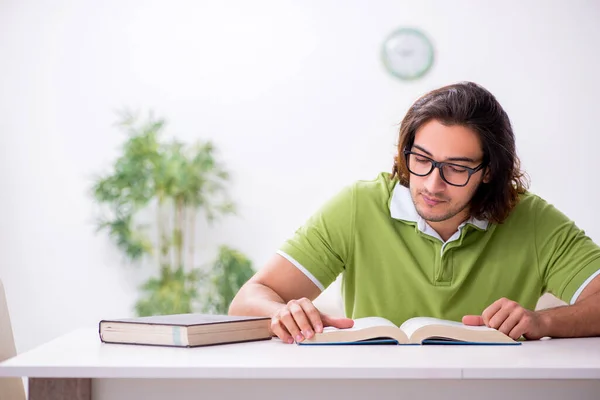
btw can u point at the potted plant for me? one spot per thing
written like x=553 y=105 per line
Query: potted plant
x=150 y=203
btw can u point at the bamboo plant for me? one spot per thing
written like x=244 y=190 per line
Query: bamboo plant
x=151 y=202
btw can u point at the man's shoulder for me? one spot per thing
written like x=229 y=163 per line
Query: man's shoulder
x=529 y=206
x=378 y=188
x=531 y=199
x=528 y=199
x=365 y=195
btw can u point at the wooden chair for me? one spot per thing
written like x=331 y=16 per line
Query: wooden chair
x=10 y=388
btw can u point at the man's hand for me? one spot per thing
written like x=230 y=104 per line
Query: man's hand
x=300 y=319
x=511 y=319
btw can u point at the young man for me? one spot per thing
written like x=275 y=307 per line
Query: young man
x=452 y=233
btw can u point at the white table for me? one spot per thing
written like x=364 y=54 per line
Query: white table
x=547 y=369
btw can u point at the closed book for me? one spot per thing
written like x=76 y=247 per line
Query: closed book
x=185 y=330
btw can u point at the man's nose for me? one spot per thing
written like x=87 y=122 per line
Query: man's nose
x=434 y=182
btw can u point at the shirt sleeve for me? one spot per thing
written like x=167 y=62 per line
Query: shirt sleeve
x=568 y=259
x=322 y=247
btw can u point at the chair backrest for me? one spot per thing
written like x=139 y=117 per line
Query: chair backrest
x=10 y=388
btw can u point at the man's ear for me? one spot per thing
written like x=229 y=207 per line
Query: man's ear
x=487 y=175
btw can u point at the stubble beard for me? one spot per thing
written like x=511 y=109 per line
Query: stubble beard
x=430 y=217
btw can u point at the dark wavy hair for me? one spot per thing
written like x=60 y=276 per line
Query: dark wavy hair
x=470 y=105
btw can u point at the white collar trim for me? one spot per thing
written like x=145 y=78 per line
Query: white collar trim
x=403 y=208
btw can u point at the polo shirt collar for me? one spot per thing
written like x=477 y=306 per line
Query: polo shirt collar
x=403 y=208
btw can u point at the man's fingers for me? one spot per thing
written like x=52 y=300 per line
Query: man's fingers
x=337 y=322
x=511 y=321
x=475 y=320
x=280 y=331
x=498 y=319
x=519 y=329
x=300 y=319
x=288 y=321
x=503 y=308
x=313 y=315
x=306 y=330
x=489 y=312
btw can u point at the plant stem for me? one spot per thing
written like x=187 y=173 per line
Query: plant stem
x=163 y=239
x=178 y=232
x=191 y=237
x=159 y=233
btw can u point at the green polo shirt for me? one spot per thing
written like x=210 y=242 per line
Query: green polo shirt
x=394 y=265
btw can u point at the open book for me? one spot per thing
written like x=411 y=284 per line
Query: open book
x=418 y=330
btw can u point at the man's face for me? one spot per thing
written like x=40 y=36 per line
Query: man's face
x=435 y=199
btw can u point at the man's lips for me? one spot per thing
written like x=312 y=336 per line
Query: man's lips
x=431 y=201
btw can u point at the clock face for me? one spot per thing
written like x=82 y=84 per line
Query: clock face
x=407 y=53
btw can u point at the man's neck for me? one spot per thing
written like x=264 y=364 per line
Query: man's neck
x=448 y=227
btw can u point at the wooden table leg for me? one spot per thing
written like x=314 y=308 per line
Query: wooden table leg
x=60 y=388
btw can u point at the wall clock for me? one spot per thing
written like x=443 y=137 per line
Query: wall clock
x=407 y=53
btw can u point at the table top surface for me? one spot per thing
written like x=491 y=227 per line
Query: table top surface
x=81 y=354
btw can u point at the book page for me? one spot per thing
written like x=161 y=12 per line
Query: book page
x=362 y=323
x=412 y=324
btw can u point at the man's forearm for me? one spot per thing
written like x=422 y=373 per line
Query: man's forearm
x=255 y=299
x=581 y=319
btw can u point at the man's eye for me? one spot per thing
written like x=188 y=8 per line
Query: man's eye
x=421 y=160
x=458 y=170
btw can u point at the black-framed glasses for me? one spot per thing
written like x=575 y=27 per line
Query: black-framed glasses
x=452 y=174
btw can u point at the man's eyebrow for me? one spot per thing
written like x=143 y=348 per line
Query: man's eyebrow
x=463 y=159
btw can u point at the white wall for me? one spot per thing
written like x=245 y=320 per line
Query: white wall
x=295 y=97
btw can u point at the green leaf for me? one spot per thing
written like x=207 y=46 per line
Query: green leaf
x=168 y=181
x=173 y=293
x=229 y=272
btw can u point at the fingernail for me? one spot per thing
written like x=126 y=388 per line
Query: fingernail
x=319 y=328
x=290 y=340
x=307 y=334
x=299 y=338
